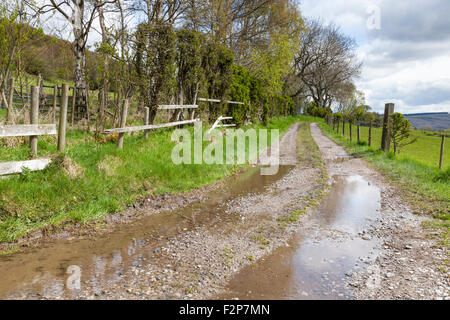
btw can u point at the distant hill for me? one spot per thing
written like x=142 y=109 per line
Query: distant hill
x=432 y=121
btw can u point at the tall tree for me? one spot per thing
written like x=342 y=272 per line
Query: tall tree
x=326 y=60
x=17 y=27
x=81 y=15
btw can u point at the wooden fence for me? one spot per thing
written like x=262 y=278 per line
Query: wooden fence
x=386 y=134
x=49 y=103
x=147 y=127
x=33 y=131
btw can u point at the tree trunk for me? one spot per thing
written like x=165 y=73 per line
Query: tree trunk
x=80 y=57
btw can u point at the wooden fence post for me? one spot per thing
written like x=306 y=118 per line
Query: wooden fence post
x=350 y=128
x=74 y=96
x=63 y=118
x=358 y=132
x=146 y=120
x=370 y=134
x=386 y=136
x=34 y=117
x=441 y=161
x=123 y=122
x=10 y=100
x=55 y=100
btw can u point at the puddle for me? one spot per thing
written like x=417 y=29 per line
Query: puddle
x=58 y=269
x=317 y=262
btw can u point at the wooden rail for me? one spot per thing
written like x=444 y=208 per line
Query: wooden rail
x=7 y=168
x=149 y=127
x=27 y=130
x=177 y=106
x=218 y=101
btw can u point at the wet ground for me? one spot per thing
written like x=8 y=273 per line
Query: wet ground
x=358 y=243
x=53 y=270
x=317 y=262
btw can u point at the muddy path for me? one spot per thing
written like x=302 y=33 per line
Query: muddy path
x=189 y=252
x=241 y=241
x=361 y=243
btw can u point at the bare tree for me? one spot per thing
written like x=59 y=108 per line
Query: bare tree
x=326 y=60
x=81 y=15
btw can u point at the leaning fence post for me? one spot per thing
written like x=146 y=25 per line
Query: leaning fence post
x=10 y=100
x=370 y=134
x=441 y=161
x=63 y=118
x=146 y=120
x=34 y=117
x=386 y=136
x=123 y=122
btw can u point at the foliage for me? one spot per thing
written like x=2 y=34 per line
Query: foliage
x=15 y=31
x=272 y=64
x=240 y=91
x=155 y=64
x=401 y=132
x=217 y=65
x=313 y=110
x=189 y=73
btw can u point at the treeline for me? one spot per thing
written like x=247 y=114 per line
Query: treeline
x=260 y=52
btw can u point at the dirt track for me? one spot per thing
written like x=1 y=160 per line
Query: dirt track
x=410 y=261
x=195 y=252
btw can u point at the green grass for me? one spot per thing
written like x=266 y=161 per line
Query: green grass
x=110 y=179
x=426 y=150
x=424 y=186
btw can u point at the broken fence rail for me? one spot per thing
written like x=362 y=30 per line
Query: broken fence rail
x=8 y=168
x=149 y=127
x=177 y=106
x=218 y=101
x=27 y=130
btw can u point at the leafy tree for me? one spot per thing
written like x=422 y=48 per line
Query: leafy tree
x=240 y=91
x=401 y=132
x=271 y=65
x=189 y=73
x=217 y=65
x=16 y=29
x=155 y=64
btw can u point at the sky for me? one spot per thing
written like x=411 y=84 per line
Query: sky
x=404 y=46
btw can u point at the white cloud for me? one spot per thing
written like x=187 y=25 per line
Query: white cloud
x=406 y=62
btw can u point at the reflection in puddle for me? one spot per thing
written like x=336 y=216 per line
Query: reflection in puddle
x=317 y=262
x=45 y=272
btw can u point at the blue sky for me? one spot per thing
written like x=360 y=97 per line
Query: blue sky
x=407 y=59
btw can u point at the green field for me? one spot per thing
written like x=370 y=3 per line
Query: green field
x=425 y=150
x=93 y=178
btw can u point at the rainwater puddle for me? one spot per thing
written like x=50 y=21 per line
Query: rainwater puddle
x=61 y=268
x=318 y=261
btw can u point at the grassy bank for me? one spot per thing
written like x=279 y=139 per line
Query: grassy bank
x=424 y=186
x=94 y=179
